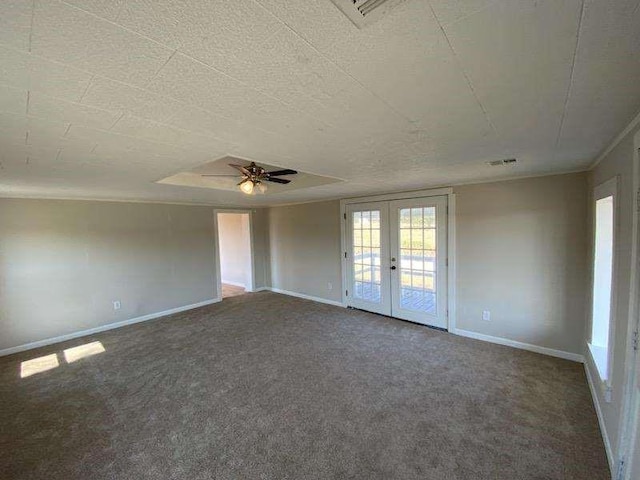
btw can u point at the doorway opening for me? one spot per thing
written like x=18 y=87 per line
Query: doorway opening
x=235 y=253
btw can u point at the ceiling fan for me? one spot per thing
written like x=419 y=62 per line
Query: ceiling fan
x=253 y=176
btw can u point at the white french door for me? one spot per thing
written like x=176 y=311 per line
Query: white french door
x=396 y=258
x=418 y=231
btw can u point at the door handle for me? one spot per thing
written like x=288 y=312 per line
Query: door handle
x=393 y=267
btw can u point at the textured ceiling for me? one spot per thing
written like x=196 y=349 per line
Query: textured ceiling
x=100 y=99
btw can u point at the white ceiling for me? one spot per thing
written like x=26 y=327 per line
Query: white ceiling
x=102 y=98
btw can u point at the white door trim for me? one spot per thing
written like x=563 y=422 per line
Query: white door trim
x=630 y=411
x=451 y=240
x=216 y=211
x=434 y=192
x=452 y=268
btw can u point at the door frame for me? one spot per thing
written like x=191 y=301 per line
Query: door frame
x=630 y=412
x=216 y=211
x=451 y=239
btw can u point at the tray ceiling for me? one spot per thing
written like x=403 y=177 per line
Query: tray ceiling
x=195 y=178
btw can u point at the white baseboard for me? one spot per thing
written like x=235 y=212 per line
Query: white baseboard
x=235 y=284
x=521 y=345
x=306 y=297
x=262 y=289
x=103 y=328
x=603 y=430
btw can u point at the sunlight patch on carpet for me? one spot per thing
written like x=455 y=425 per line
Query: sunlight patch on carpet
x=38 y=365
x=83 y=351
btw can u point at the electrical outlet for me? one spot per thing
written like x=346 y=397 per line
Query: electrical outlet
x=486 y=315
x=116 y=305
x=329 y=286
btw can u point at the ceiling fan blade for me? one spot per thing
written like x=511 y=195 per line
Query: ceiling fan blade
x=276 y=173
x=241 y=168
x=278 y=180
x=217 y=175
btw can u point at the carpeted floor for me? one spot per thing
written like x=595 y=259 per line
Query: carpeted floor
x=265 y=386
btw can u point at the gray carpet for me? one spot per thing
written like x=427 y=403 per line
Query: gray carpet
x=265 y=386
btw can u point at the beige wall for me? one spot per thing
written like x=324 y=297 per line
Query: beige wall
x=618 y=163
x=63 y=263
x=261 y=247
x=235 y=248
x=522 y=249
x=521 y=254
x=305 y=249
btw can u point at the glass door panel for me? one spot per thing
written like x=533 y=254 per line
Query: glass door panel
x=417 y=287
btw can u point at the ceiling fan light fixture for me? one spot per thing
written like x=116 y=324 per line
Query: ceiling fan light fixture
x=247 y=187
x=262 y=188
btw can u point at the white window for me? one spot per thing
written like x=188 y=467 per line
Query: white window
x=603 y=271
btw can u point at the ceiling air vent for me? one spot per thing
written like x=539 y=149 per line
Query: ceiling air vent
x=364 y=12
x=506 y=161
